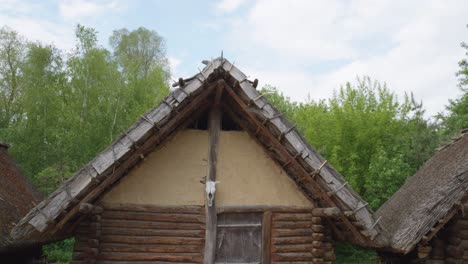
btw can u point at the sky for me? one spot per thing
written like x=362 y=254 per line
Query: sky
x=306 y=48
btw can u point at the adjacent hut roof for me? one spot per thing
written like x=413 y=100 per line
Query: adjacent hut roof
x=246 y=106
x=17 y=197
x=432 y=194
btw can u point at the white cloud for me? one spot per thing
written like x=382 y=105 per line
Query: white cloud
x=228 y=6
x=174 y=65
x=35 y=29
x=311 y=47
x=80 y=9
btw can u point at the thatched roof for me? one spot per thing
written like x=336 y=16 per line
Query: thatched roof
x=17 y=197
x=427 y=197
x=245 y=105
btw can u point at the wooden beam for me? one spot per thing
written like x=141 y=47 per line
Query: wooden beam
x=332 y=212
x=266 y=245
x=263 y=208
x=214 y=130
x=304 y=175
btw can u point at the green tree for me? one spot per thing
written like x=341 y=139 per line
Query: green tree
x=366 y=133
x=12 y=54
x=141 y=54
x=457 y=116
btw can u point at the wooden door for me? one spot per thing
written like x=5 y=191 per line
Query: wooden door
x=239 y=238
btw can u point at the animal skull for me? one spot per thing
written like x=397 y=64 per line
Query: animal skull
x=210 y=189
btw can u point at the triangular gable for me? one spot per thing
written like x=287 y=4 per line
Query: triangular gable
x=172 y=174
x=245 y=105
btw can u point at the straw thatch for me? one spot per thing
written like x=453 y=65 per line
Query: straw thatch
x=17 y=197
x=427 y=197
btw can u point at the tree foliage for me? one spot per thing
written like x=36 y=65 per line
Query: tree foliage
x=456 y=117
x=58 y=109
x=369 y=136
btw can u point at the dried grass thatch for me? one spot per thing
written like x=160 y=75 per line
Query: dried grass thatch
x=427 y=197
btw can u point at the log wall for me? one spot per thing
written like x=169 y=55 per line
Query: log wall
x=300 y=237
x=144 y=234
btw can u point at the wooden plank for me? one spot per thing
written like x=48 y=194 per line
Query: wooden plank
x=119 y=256
x=194 y=209
x=151 y=225
x=292 y=240
x=267 y=234
x=151 y=240
x=214 y=130
x=154 y=217
x=291 y=232
x=292 y=224
x=292 y=216
x=263 y=208
x=292 y=256
x=127 y=231
x=292 y=248
x=163 y=248
x=332 y=212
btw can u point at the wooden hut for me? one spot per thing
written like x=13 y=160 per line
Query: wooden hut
x=214 y=173
x=17 y=197
x=428 y=217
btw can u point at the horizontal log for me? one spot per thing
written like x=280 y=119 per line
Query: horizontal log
x=151 y=240
x=292 y=248
x=316 y=220
x=260 y=209
x=464 y=243
x=291 y=232
x=317 y=252
x=317 y=228
x=159 y=217
x=292 y=216
x=292 y=224
x=153 y=208
x=93 y=243
x=318 y=237
x=93 y=252
x=114 y=247
x=462 y=233
x=152 y=225
x=292 y=256
x=463 y=223
x=433 y=261
x=291 y=240
x=453 y=261
x=152 y=232
x=117 y=256
x=455 y=241
x=454 y=251
x=317 y=244
x=332 y=212
x=318 y=261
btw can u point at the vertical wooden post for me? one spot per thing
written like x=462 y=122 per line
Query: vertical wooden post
x=266 y=248
x=214 y=128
